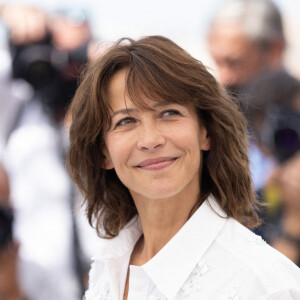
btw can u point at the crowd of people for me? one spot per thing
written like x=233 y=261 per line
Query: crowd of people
x=43 y=55
x=46 y=241
x=248 y=43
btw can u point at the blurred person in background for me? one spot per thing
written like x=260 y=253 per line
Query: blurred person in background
x=247 y=42
x=246 y=38
x=274 y=112
x=19 y=279
x=47 y=52
x=13 y=93
x=283 y=224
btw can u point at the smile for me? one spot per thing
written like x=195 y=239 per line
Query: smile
x=156 y=163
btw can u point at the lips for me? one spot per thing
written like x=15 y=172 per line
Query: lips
x=156 y=163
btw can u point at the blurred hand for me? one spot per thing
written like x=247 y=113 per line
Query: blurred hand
x=67 y=34
x=26 y=24
x=287 y=179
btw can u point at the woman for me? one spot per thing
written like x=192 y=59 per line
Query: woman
x=160 y=154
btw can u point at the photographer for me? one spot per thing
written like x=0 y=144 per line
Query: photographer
x=274 y=115
x=247 y=38
x=19 y=279
x=247 y=42
x=47 y=52
x=283 y=229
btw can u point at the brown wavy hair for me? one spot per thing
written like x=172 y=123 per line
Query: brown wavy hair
x=160 y=70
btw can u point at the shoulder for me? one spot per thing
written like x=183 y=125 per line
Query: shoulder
x=257 y=261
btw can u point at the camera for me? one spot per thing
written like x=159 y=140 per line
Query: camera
x=281 y=133
x=53 y=73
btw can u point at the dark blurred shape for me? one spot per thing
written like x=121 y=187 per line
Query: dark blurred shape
x=6 y=223
x=282 y=132
x=51 y=70
x=270 y=108
x=52 y=73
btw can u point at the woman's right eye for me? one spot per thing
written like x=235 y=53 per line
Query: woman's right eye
x=125 y=121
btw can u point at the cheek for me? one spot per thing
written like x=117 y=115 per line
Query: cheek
x=189 y=139
x=118 y=149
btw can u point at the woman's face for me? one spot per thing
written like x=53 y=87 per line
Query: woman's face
x=155 y=153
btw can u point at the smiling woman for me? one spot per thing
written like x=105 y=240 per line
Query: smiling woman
x=160 y=153
x=155 y=152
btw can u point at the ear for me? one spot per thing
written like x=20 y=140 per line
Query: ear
x=206 y=144
x=107 y=164
x=206 y=141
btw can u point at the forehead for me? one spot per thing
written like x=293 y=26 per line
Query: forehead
x=118 y=96
x=116 y=87
x=228 y=40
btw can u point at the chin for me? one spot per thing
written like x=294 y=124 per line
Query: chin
x=161 y=192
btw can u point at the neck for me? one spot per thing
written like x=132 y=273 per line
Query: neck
x=161 y=219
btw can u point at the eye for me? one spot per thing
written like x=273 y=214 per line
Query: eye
x=125 y=121
x=170 y=113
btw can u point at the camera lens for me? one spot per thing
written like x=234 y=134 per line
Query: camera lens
x=40 y=73
x=286 y=141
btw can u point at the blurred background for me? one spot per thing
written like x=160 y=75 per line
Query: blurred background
x=46 y=242
x=184 y=22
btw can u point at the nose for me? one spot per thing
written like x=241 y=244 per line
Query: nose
x=150 y=137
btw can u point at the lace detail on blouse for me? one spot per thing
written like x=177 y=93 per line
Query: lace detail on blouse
x=193 y=284
x=231 y=294
x=99 y=292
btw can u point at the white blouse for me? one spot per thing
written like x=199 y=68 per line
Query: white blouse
x=212 y=257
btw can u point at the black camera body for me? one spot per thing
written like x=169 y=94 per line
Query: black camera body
x=281 y=132
x=53 y=73
x=270 y=106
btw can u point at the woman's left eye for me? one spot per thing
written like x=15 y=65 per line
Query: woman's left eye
x=170 y=112
x=125 y=122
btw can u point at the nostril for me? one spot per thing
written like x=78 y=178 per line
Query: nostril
x=151 y=142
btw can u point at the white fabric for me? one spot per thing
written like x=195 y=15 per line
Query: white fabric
x=211 y=257
x=13 y=95
x=40 y=196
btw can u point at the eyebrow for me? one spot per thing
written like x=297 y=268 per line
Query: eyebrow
x=123 y=111
x=126 y=111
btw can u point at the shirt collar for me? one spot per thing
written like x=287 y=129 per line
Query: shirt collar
x=173 y=264
x=122 y=244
